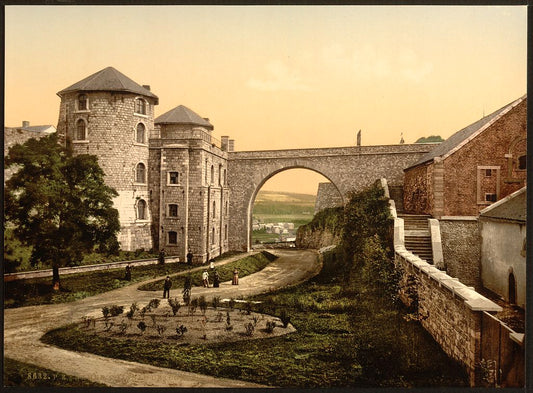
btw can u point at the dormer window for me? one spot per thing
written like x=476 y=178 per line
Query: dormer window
x=81 y=130
x=82 y=102
x=140 y=133
x=140 y=106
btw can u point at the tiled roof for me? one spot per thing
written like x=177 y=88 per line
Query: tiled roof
x=109 y=79
x=510 y=208
x=462 y=136
x=183 y=115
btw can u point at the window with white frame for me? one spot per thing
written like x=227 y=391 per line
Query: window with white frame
x=140 y=136
x=173 y=178
x=141 y=210
x=83 y=102
x=140 y=106
x=81 y=130
x=140 y=173
x=172 y=237
x=172 y=210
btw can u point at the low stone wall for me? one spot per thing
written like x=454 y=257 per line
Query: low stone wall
x=315 y=239
x=449 y=310
x=461 y=247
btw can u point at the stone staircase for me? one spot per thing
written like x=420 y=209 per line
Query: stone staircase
x=417 y=235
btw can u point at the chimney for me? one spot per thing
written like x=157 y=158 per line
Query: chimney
x=25 y=123
x=224 y=142
x=147 y=87
x=231 y=145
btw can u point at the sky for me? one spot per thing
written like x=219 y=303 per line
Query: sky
x=279 y=77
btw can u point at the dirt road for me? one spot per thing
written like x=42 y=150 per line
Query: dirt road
x=23 y=327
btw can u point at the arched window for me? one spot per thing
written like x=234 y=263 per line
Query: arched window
x=140 y=106
x=140 y=133
x=220 y=174
x=214 y=209
x=213 y=236
x=140 y=173
x=82 y=102
x=81 y=130
x=212 y=174
x=141 y=210
x=522 y=162
x=173 y=237
x=227 y=211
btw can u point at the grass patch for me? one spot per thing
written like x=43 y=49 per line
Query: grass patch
x=37 y=291
x=27 y=375
x=336 y=344
x=247 y=265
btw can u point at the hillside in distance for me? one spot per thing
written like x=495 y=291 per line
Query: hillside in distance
x=282 y=203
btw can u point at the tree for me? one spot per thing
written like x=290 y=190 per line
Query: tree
x=430 y=139
x=59 y=204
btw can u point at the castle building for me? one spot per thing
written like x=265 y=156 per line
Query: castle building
x=170 y=173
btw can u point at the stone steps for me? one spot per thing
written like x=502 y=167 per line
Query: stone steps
x=417 y=235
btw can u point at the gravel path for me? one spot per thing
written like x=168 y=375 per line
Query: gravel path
x=24 y=326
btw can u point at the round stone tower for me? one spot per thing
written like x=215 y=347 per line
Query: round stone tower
x=109 y=115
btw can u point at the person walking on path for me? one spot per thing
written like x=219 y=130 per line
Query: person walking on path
x=235 y=277
x=161 y=258
x=189 y=257
x=216 y=280
x=166 y=287
x=205 y=277
x=128 y=272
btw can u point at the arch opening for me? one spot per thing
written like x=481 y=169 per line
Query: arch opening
x=286 y=199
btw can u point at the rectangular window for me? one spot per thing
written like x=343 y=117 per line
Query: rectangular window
x=172 y=237
x=172 y=210
x=490 y=197
x=173 y=177
x=488 y=172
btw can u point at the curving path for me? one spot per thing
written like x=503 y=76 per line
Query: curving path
x=24 y=326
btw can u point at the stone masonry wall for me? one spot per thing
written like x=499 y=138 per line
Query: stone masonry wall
x=327 y=195
x=417 y=190
x=348 y=168
x=461 y=247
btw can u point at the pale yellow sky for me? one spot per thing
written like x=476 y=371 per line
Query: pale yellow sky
x=279 y=77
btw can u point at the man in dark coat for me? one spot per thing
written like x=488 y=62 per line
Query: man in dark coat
x=166 y=287
x=189 y=257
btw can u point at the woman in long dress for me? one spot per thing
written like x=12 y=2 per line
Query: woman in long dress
x=235 y=277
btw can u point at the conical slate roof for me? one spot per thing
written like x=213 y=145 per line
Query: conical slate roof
x=109 y=79
x=183 y=115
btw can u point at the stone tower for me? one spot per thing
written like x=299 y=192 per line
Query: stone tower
x=109 y=115
x=188 y=172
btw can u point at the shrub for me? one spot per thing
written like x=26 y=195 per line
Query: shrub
x=160 y=329
x=105 y=312
x=218 y=318
x=228 y=322
x=231 y=304
x=153 y=317
x=133 y=308
x=249 y=329
x=202 y=303
x=142 y=327
x=284 y=318
x=123 y=327
x=216 y=302
x=154 y=303
x=192 y=306
x=143 y=312
x=108 y=325
x=248 y=308
x=181 y=330
x=116 y=310
x=174 y=305
x=270 y=325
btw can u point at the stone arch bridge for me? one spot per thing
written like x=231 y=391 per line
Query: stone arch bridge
x=347 y=168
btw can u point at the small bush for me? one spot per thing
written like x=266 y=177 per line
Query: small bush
x=218 y=318
x=284 y=318
x=154 y=303
x=174 y=305
x=160 y=329
x=202 y=303
x=123 y=327
x=248 y=308
x=249 y=329
x=231 y=304
x=108 y=325
x=133 y=308
x=192 y=306
x=142 y=327
x=143 y=312
x=105 y=312
x=216 y=302
x=270 y=325
x=181 y=330
x=116 y=310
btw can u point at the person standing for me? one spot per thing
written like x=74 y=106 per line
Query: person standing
x=205 y=277
x=216 y=280
x=166 y=287
x=128 y=272
x=235 y=277
x=189 y=257
x=161 y=258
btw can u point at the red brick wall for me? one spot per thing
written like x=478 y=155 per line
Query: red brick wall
x=417 y=190
x=487 y=149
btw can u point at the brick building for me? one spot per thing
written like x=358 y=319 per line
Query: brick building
x=170 y=173
x=473 y=168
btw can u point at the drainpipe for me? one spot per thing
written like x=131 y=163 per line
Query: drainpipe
x=208 y=228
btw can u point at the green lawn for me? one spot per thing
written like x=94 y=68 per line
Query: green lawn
x=342 y=340
x=21 y=374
